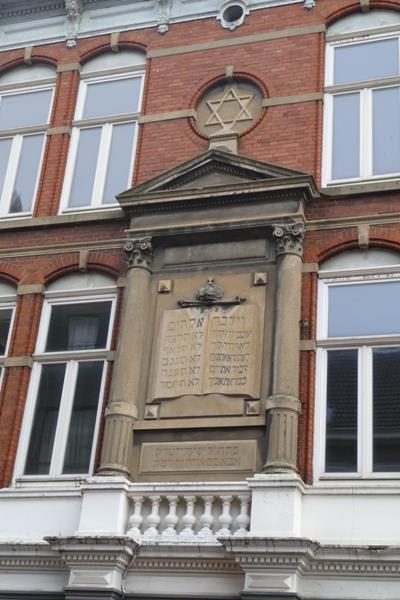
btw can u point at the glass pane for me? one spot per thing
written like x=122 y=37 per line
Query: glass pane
x=83 y=418
x=346 y=136
x=45 y=420
x=386 y=409
x=25 y=110
x=85 y=167
x=78 y=326
x=371 y=60
x=5 y=147
x=386 y=131
x=25 y=182
x=112 y=98
x=341 y=412
x=364 y=309
x=5 y=320
x=119 y=161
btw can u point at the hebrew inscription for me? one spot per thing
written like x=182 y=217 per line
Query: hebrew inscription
x=207 y=351
x=238 y=455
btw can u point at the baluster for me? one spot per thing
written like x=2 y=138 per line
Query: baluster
x=206 y=519
x=171 y=518
x=225 y=518
x=188 y=518
x=153 y=520
x=243 y=518
x=136 y=518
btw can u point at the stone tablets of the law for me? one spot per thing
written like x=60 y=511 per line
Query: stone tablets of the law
x=236 y=455
x=207 y=351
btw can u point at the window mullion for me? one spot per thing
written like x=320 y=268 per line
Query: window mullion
x=102 y=165
x=11 y=174
x=64 y=416
x=366 y=409
x=367 y=126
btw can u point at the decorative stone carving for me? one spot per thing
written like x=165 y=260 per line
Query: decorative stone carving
x=164 y=8
x=289 y=239
x=139 y=253
x=74 y=10
x=232 y=106
x=210 y=295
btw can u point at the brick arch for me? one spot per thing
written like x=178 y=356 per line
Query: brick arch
x=374 y=243
x=354 y=7
x=104 y=47
x=36 y=60
x=74 y=268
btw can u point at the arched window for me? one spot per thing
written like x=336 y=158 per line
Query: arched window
x=26 y=96
x=63 y=406
x=357 y=401
x=101 y=155
x=362 y=100
x=8 y=298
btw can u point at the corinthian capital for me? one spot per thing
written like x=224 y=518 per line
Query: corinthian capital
x=139 y=253
x=289 y=239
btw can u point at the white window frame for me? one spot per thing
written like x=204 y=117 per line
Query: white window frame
x=16 y=136
x=6 y=303
x=365 y=89
x=365 y=346
x=71 y=359
x=106 y=123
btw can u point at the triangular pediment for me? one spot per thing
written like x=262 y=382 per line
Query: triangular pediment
x=213 y=169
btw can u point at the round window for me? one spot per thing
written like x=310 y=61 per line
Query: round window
x=232 y=15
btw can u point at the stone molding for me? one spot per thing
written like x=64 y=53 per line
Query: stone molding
x=308 y=557
x=80 y=551
x=139 y=253
x=289 y=239
x=283 y=402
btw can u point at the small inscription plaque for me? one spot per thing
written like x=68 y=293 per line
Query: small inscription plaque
x=207 y=351
x=237 y=455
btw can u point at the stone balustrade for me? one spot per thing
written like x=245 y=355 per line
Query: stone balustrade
x=189 y=512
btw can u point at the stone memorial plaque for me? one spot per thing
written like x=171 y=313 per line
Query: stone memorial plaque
x=207 y=351
x=235 y=455
x=230 y=355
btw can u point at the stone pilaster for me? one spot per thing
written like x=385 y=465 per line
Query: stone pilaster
x=283 y=406
x=128 y=374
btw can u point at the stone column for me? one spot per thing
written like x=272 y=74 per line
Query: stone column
x=128 y=382
x=283 y=406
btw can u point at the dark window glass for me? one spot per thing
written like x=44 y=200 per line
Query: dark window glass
x=5 y=320
x=83 y=418
x=341 y=412
x=78 y=326
x=45 y=420
x=386 y=409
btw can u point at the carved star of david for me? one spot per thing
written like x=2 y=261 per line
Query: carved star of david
x=230 y=96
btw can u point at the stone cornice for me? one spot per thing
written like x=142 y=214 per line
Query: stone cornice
x=307 y=557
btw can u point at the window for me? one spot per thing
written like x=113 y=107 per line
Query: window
x=25 y=105
x=362 y=105
x=101 y=155
x=63 y=407
x=7 y=310
x=358 y=389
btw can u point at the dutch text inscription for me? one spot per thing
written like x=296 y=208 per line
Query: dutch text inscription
x=207 y=351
